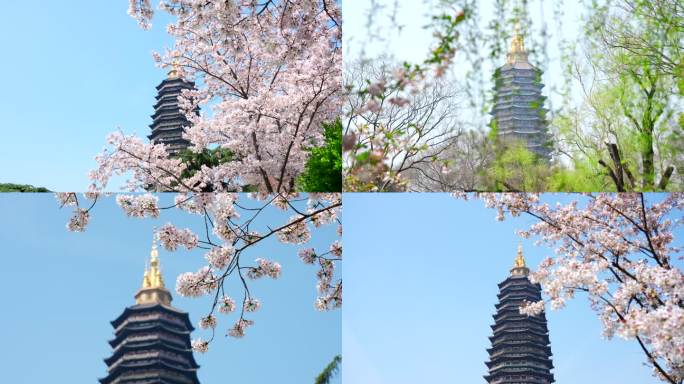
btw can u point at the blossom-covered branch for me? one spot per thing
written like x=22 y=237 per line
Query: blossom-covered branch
x=228 y=231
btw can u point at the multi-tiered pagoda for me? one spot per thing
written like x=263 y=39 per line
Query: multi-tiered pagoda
x=152 y=338
x=168 y=121
x=519 y=114
x=520 y=352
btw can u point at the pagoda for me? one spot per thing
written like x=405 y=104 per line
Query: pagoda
x=518 y=113
x=152 y=338
x=168 y=121
x=521 y=351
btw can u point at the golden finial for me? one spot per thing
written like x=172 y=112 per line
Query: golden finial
x=174 y=73
x=520 y=259
x=519 y=267
x=146 y=277
x=156 y=279
x=517 y=52
x=153 y=289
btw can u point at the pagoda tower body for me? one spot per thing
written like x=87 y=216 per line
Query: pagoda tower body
x=152 y=338
x=518 y=113
x=521 y=351
x=168 y=121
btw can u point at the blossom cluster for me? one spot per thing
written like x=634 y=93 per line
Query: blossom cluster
x=79 y=220
x=264 y=268
x=295 y=233
x=226 y=305
x=336 y=248
x=171 y=237
x=194 y=284
x=251 y=304
x=220 y=257
x=139 y=205
x=208 y=322
x=239 y=328
x=66 y=199
x=308 y=255
x=199 y=345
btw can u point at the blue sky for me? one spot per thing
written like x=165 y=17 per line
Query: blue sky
x=60 y=290
x=72 y=73
x=421 y=281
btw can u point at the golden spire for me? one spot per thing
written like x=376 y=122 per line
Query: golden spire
x=153 y=289
x=173 y=73
x=517 y=52
x=519 y=259
x=153 y=277
x=519 y=267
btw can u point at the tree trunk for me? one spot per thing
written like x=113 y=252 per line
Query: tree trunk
x=647 y=162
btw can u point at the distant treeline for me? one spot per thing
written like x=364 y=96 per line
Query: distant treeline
x=9 y=187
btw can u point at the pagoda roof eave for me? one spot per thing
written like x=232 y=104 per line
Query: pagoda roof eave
x=530 y=320
x=516 y=118
x=114 y=373
x=131 y=331
x=154 y=306
x=515 y=279
x=509 y=331
x=519 y=65
x=529 y=372
x=129 y=347
x=529 y=356
x=174 y=81
x=503 y=107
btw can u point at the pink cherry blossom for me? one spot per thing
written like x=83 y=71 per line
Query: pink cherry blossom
x=199 y=345
x=220 y=257
x=308 y=255
x=139 y=205
x=208 y=322
x=227 y=305
x=251 y=304
x=171 y=237
x=66 y=199
x=296 y=233
x=238 y=329
x=196 y=284
x=264 y=268
x=79 y=220
x=336 y=248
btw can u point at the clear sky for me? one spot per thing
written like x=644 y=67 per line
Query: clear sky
x=60 y=290
x=421 y=283
x=72 y=72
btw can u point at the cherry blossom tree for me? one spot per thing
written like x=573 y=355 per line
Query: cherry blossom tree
x=395 y=133
x=620 y=250
x=376 y=152
x=270 y=73
x=228 y=231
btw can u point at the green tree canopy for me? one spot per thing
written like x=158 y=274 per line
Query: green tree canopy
x=323 y=172
x=329 y=371
x=9 y=187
